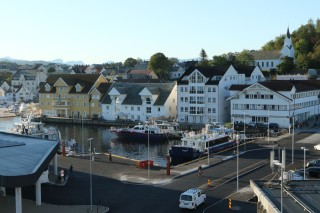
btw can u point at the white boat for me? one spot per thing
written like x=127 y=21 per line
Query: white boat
x=172 y=130
x=37 y=129
x=194 y=145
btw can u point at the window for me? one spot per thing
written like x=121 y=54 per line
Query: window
x=209 y=89
x=78 y=104
x=186 y=109
x=92 y=104
x=138 y=108
x=200 y=100
x=159 y=109
x=192 y=90
x=200 y=90
x=181 y=109
x=186 y=99
x=132 y=108
x=213 y=100
x=209 y=110
x=181 y=89
x=192 y=100
x=107 y=107
x=148 y=100
x=213 y=110
x=148 y=109
x=186 y=89
x=209 y=100
x=84 y=104
x=181 y=99
x=192 y=110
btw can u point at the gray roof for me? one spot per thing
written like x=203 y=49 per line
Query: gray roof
x=28 y=74
x=132 y=90
x=24 y=158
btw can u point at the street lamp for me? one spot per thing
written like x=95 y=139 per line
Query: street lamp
x=304 y=162
x=281 y=173
x=148 y=155
x=268 y=125
x=90 y=139
x=237 y=140
x=293 y=118
x=244 y=129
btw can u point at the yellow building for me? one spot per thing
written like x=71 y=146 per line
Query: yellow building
x=72 y=95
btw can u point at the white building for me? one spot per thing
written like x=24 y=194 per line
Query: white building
x=140 y=101
x=270 y=59
x=202 y=92
x=29 y=78
x=275 y=102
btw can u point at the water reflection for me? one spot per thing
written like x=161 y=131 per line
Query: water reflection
x=106 y=141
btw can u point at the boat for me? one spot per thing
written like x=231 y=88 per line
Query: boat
x=172 y=130
x=194 y=146
x=142 y=133
x=37 y=129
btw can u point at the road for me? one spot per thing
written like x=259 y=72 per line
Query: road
x=127 y=197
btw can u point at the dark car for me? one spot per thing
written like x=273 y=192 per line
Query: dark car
x=313 y=172
x=260 y=125
x=313 y=163
x=273 y=126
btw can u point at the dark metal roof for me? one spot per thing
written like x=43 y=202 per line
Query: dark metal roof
x=24 y=158
x=132 y=90
x=85 y=80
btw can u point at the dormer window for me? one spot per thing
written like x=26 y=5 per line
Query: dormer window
x=47 y=88
x=78 y=88
x=117 y=100
x=148 y=100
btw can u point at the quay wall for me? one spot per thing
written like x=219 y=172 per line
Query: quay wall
x=117 y=123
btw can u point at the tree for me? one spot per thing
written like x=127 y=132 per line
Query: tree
x=130 y=62
x=174 y=60
x=161 y=65
x=203 y=58
x=244 y=58
x=51 y=70
x=287 y=65
x=302 y=62
x=219 y=60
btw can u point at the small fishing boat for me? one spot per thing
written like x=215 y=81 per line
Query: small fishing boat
x=142 y=133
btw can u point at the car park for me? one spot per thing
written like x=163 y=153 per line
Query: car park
x=313 y=163
x=192 y=198
x=317 y=147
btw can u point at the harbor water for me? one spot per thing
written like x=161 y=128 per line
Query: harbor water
x=104 y=141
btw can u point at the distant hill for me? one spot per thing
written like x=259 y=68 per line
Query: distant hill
x=56 y=61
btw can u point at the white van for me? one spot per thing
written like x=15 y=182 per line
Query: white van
x=192 y=198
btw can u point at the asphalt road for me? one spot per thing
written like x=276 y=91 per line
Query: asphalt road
x=128 y=197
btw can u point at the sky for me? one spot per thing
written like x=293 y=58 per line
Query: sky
x=99 y=31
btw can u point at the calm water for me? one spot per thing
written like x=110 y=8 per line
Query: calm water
x=106 y=141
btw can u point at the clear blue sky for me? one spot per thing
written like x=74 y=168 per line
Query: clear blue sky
x=97 y=31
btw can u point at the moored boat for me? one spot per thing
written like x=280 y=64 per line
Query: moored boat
x=194 y=145
x=142 y=133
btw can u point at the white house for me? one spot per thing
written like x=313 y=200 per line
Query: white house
x=202 y=91
x=29 y=79
x=275 y=102
x=22 y=94
x=270 y=59
x=140 y=101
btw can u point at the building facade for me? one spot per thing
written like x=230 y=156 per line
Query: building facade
x=282 y=102
x=203 y=92
x=140 y=101
x=72 y=95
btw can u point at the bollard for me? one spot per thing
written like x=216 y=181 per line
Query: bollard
x=230 y=203
x=209 y=182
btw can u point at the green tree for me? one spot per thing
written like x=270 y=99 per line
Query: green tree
x=203 y=58
x=51 y=70
x=219 y=60
x=174 y=60
x=302 y=62
x=244 y=58
x=161 y=65
x=287 y=65
x=130 y=62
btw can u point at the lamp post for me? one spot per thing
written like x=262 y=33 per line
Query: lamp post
x=304 y=162
x=148 y=155
x=268 y=126
x=281 y=173
x=244 y=129
x=293 y=118
x=237 y=140
x=90 y=139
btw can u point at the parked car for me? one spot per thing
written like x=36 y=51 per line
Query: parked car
x=317 y=147
x=273 y=126
x=313 y=163
x=192 y=198
x=260 y=125
x=313 y=171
